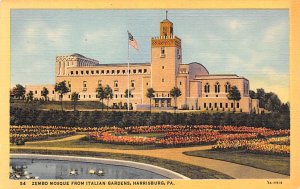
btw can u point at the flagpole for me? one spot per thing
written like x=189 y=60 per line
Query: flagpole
x=128 y=77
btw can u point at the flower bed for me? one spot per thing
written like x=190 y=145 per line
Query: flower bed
x=108 y=138
x=256 y=146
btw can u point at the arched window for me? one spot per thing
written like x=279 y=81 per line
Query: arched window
x=206 y=88
x=59 y=68
x=227 y=87
x=116 y=83
x=217 y=87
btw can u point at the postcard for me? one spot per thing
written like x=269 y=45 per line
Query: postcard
x=129 y=94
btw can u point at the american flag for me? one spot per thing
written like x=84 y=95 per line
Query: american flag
x=132 y=41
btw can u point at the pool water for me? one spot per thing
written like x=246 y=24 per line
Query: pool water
x=58 y=169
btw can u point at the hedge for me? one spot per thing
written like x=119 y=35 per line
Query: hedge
x=20 y=116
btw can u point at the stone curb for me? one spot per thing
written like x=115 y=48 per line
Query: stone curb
x=152 y=168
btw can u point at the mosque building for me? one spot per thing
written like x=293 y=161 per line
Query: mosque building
x=200 y=90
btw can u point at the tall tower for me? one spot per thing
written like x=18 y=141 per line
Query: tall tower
x=166 y=57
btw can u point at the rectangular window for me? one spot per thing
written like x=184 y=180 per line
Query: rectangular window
x=102 y=71
x=162 y=67
x=97 y=71
x=81 y=72
x=112 y=71
x=87 y=72
x=76 y=72
x=84 y=83
x=226 y=105
x=204 y=105
x=216 y=105
x=69 y=85
x=231 y=105
x=134 y=71
x=53 y=92
x=238 y=105
x=107 y=71
x=178 y=54
x=140 y=70
x=145 y=70
x=221 y=105
x=209 y=105
x=123 y=71
x=162 y=52
x=90 y=96
x=132 y=83
x=92 y=72
x=116 y=96
x=72 y=72
x=118 y=71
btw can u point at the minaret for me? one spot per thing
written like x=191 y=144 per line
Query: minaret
x=166 y=57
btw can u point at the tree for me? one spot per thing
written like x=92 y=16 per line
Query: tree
x=252 y=94
x=19 y=91
x=273 y=103
x=285 y=108
x=29 y=96
x=269 y=101
x=61 y=88
x=74 y=98
x=108 y=94
x=150 y=95
x=260 y=95
x=175 y=93
x=45 y=93
x=101 y=94
x=235 y=95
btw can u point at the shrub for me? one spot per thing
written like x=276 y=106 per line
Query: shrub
x=20 y=116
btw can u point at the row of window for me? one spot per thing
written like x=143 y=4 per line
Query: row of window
x=163 y=53
x=90 y=96
x=209 y=105
x=36 y=92
x=97 y=72
x=116 y=84
x=217 y=87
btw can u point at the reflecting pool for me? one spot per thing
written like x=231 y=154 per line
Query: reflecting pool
x=60 y=169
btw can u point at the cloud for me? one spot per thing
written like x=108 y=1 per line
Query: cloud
x=37 y=33
x=56 y=36
x=234 y=25
x=91 y=37
x=275 y=32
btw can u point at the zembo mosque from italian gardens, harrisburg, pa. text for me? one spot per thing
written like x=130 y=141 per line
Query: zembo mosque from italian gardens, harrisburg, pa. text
x=199 y=89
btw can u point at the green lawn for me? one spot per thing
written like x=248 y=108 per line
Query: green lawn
x=191 y=171
x=157 y=135
x=274 y=163
x=84 y=143
x=55 y=105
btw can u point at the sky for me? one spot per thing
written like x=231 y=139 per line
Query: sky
x=250 y=43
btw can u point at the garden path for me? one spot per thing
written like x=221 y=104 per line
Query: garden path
x=232 y=169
